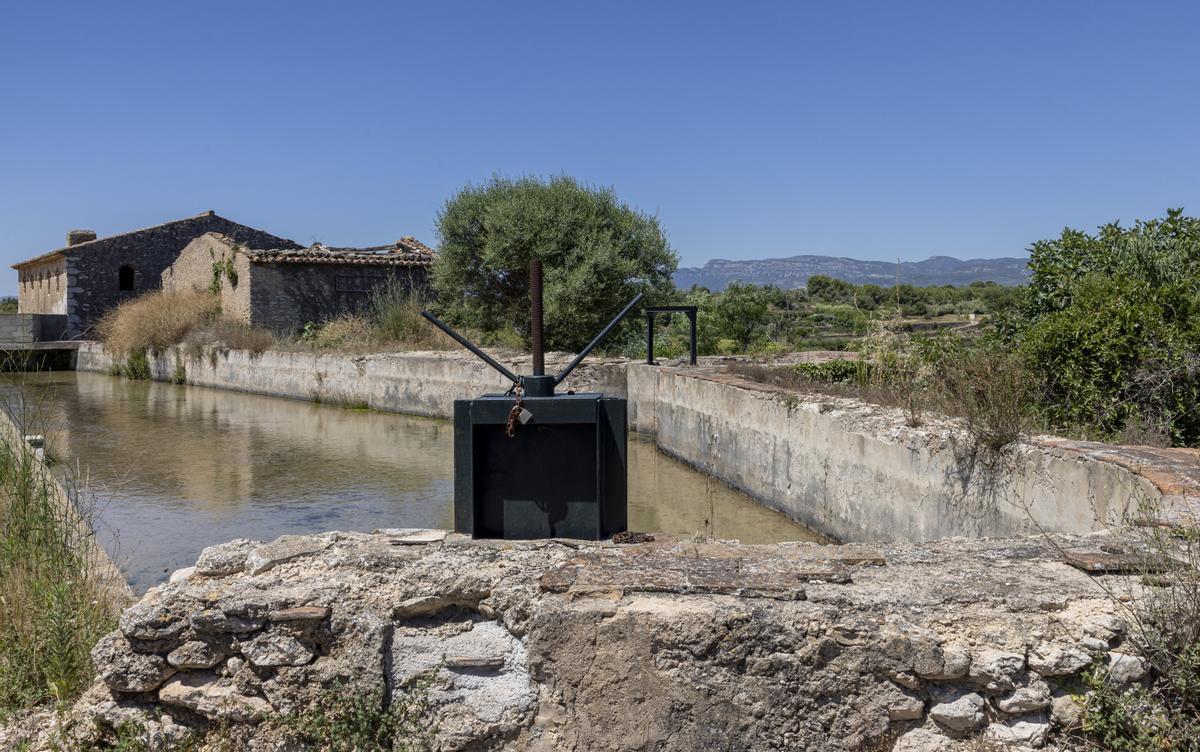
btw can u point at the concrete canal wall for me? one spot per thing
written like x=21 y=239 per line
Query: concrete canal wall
x=857 y=472
x=846 y=469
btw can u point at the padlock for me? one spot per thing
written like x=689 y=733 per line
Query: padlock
x=524 y=416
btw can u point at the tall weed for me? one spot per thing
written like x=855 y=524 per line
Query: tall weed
x=54 y=599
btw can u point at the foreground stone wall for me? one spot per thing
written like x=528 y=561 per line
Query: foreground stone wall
x=664 y=645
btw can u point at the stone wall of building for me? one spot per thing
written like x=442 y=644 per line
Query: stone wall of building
x=93 y=269
x=42 y=287
x=286 y=296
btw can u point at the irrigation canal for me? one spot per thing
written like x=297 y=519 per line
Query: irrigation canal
x=171 y=469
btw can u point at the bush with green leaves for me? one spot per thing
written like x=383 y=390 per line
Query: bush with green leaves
x=597 y=252
x=1111 y=327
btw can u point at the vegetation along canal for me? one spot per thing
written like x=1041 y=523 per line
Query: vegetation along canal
x=172 y=469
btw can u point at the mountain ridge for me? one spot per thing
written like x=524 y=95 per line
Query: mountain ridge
x=794 y=271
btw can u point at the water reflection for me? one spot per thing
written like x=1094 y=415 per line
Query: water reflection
x=174 y=469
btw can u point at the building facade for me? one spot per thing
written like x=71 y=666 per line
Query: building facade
x=283 y=288
x=89 y=276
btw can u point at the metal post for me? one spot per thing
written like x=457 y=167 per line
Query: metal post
x=535 y=317
x=649 y=338
x=692 y=318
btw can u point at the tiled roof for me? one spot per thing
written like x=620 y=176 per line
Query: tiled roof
x=407 y=251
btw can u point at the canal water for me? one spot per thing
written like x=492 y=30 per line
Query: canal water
x=172 y=469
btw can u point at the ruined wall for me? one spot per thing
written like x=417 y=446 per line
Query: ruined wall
x=286 y=296
x=92 y=269
x=668 y=645
x=195 y=269
x=42 y=287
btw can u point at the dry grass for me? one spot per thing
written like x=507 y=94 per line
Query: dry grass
x=393 y=322
x=157 y=321
x=223 y=332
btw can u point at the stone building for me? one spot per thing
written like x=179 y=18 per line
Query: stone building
x=88 y=276
x=281 y=288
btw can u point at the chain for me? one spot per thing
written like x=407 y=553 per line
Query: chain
x=515 y=412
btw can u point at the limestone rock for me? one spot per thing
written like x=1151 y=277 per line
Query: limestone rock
x=298 y=613
x=1107 y=627
x=959 y=711
x=226 y=558
x=283 y=549
x=195 y=654
x=181 y=575
x=923 y=740
x=905 y=708
x=214 y=698
x=1124 y=669
x=1029 y=731
x=1033 y=695
x=126 y=671
x=996 y=670
x=956 y=661
x=1093 y=644
x=1057 y=660
x=148 y=620
x=216 y=620
x=272 y=649
x=1066 y=712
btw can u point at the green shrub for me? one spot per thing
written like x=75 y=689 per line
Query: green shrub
x=1164 y=712
x=341 y=721
x=1111 y=327
x=137 y=365
x=835 y=371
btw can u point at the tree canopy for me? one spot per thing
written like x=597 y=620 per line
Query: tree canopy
x=597 y=252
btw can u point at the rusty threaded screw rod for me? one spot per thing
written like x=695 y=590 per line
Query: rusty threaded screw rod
x=535 y=317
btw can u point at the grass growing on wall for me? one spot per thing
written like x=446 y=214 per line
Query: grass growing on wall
x=54 y=604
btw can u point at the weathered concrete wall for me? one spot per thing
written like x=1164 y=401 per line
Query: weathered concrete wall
x=659 y=646
x=857 y=472
x=18 y=328
x=417 y=383
x=26 y=328
x=848 y=470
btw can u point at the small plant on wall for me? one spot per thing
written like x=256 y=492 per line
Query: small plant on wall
x=222 y=268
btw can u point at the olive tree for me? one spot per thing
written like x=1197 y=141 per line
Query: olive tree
x=597 y=253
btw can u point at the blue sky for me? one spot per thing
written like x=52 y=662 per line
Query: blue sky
x=872 y=130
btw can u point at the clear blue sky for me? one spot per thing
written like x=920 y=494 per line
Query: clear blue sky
x=872 y=130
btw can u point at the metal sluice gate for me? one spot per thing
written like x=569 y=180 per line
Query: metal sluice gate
x=531 y=463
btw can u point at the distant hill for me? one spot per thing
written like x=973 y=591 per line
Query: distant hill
x=795 y=271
